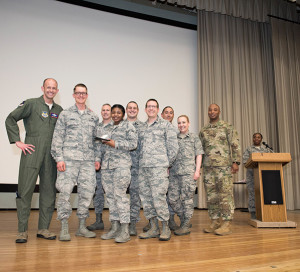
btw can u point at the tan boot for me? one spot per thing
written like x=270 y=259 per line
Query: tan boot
x=22 y=237
x=153 y=232
x=225 y=228
x=132 y=228
x=46 y=234
x=64 y=233
x=123 y=235
x=184 y=228
x=83 y=231
x=113 y=232
x=215 y=223
x=166 y=232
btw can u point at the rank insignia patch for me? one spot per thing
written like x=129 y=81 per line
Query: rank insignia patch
x=53 y=115
x=45 y=114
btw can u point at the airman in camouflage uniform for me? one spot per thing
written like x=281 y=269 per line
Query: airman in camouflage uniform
x=115 y=174
x=132 y=111
x=184 y=174
x=99 y=193
x=255 y=148
x=159 y=148
x=74 y=149
x=168 y=114
x=222 y=158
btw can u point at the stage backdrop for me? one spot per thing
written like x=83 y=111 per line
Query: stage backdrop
x=117 y=57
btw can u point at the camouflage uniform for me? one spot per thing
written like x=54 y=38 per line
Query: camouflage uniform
x=73 y=142
x=115 y=170
x=221 y=147
x=159 y=147
x=182 y=184
x=99 y=193
x=135 y=201
x=249 y=174
x=171 y=210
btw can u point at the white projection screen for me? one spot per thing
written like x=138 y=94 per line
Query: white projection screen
x=119 y=59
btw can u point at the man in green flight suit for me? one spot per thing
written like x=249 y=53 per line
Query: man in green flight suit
x=39 y=116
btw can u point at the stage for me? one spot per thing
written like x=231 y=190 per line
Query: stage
x=247 y=249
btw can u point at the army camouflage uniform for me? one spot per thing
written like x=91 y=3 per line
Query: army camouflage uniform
x=39 y=124
x=221 y=147
x=135 y=201
x=249 y=174
x=99 y=193
x=159 y=147
x=74 y=143
x=182 y=184
x=115 y=170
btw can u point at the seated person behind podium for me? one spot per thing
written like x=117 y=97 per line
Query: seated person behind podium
x=255 y=148
x=115 y=173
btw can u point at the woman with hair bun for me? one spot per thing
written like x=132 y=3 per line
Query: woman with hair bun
x=115 y=173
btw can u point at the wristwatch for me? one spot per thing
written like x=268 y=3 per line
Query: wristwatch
x=238 y=163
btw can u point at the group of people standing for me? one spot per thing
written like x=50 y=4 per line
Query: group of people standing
x=158 y=163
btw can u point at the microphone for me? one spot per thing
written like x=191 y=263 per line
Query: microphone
x=267 y=146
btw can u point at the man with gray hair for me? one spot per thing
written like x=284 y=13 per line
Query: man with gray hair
x=103 y=128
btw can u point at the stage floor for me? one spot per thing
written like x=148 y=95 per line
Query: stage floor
x=247 y=249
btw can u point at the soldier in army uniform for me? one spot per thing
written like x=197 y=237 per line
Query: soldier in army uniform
x=255 y=148
x=74 y=149
x=184 y=174
x=99 y=194
x=221 y=160
x=39 y=116
x=115 y=174
x=132 y=110
x=158 y=151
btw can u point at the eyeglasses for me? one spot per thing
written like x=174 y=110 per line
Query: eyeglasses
x=79 y=93
x=151 y=107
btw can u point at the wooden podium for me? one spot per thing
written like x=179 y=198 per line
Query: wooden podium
x=269 y=190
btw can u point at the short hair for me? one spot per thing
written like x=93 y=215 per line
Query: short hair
x=216 y=105
x=51 y=79
x=166 y=108
x=80 y=85
x=257 y=133
x=118 y=106
x=106 y=104
x=154 y=100
x=132 y=102
x=183 y=115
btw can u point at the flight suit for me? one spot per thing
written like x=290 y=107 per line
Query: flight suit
x=39 y=124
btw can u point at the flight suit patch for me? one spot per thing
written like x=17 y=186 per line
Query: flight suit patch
x=45 y=114
x=21 y=104
x=53 y=115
